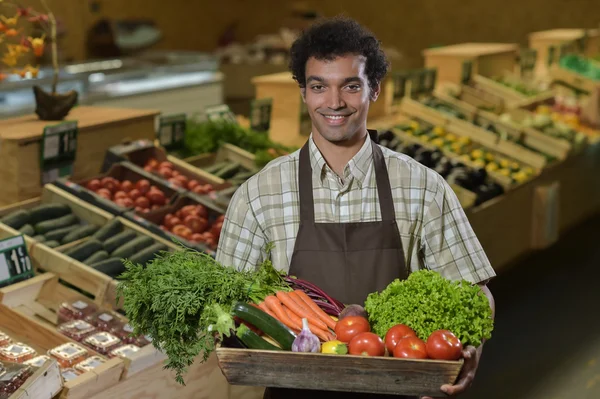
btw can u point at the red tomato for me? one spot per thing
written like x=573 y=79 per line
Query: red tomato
x=120 y=202
x=110 y=184
x=444 y=345
x=143 y=186
x=155 y=207
x=366 y=344
x=221 y=219
x=216 y=229
x=152 y=162
x=182 y=231
x=94 y=185
x=202 y=211
x=182 y=179
x=411 y=348
x=395 y=334
x=142 y=202
x=174 y=182
x=148 y=168
x=211 y=242
x=138 y=209
x=120 y=194
x=196 y=223
x=172 y=221
x=176 y=173
x=135 y=194
x=166 y=172
x=199 y=189
x=350 y=326
x=128 y=202
x=105 y=193
x=166 y=164
x=192 y=183
x=126 y=186
x=188 y=210
x=197 y=237
x=156 y=197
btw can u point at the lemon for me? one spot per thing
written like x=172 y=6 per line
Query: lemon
x=465 y=158
x=414 y=125
x=489 y=157
x=438 y=130
x=477 y=154
x=504 y=163
x=438 y=142
x=464 y=140
x=504 y=172
x=519 y=177
x=451 y=137
x=334 y=347
x=479 y=163
x=492 y=167
x=456 y=147
x=515 y=166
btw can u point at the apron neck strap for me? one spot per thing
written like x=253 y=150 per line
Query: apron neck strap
x=384 y=190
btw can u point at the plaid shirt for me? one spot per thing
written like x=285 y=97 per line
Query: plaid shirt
x=434 y=229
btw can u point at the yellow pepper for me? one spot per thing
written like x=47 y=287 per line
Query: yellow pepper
x=334 y=347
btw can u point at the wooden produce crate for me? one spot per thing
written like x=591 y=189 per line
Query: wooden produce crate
x=573 y=79
x=511 y=96
x=377 y=375
x=99 y=129
x=45 y=382
x=489 y=59
x=122 y=171
x=227 y=152
x=28 y=313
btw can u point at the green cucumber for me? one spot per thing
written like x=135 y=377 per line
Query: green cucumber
x=265 y=323
x=146 y=255
x=28 y=230
x=215 y=167
x=48 y=212
x=129 y=249
x=84 y=250
x=39 y=238
x=228 y=171
x=16 y=219
x=120 y=239
x=252 y=340
x=97 y=257
x=58 y=234
x=79 y=233
x=53 y=224
x=109 y=230
x=112 y=267
x=52 y=244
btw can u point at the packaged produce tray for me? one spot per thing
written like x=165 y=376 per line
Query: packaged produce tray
x=121 y=172
x=377 y=375
x=45 y=381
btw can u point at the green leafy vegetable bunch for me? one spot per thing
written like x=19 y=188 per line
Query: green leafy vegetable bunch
x=427 y=302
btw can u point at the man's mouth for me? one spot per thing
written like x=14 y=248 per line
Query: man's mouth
x=335 y=119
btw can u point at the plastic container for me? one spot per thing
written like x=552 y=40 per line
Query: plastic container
x=89 y=364
x=12 y=378
x=124 y=333
x=124 y=351
x=104 y=320
x=4 y=339
x=75 y=310
x=77 y=329
x=69 y=374
x=102 y=342
x=69 y=354
x=17 y=353
x=37 y=361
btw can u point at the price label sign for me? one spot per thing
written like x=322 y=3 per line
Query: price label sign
x=527 y=59
x=260 y=114
x=220 y=112
x=15 y=264
x=467 y=72
x=171 y=131
x=57 y=151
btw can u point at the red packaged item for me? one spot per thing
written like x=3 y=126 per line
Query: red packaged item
x=143 y=340
x=17 y=353
x=75 y=310
x=69 y=354
x=124 y=351
x=104 y=320
x=4 y=339
x=37 y=361
x=124 y=333
x=102 y=342
x=89 y=364
x=12 y=378
x=69 y=374
x=77 y=329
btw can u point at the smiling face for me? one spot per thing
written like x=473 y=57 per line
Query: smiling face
x=337 y=96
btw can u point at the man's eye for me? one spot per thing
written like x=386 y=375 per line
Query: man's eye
x=353 y=87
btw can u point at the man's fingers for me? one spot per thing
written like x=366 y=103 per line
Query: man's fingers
x=460 y=386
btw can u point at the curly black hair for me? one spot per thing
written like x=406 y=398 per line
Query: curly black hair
x=336 y=37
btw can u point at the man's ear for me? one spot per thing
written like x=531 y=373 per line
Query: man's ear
x=375 y=92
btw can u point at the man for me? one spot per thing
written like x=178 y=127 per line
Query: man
x=343 y=212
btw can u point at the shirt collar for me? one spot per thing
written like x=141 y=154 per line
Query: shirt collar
x=357 y=167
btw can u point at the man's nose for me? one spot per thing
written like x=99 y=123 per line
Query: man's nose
x=335 y=100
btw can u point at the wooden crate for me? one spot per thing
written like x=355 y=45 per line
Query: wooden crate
x=573 y=79
x=45 y=382
x=489 y=59
x=378 y=375
x=99 y=129
x=25 y=315
x=510 y=96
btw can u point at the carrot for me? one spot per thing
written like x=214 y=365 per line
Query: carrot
x=315 y=308
x=275 y=306
x=299 y=309
x=323 y=335
x=263 y=306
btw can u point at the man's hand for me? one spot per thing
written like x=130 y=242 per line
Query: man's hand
x=467 y=374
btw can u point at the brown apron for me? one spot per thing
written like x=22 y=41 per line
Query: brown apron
x=346 y=260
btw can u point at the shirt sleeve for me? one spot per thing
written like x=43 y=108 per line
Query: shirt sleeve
x=448 y=242
x=242 y=242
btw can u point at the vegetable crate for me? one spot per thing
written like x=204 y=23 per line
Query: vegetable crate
x=28 y=314
x=377 y=375
x=121 y=172
x=573 y=79
x=510 y=96
x=44 y=382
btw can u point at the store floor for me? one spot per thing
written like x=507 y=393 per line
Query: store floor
x=547 y=339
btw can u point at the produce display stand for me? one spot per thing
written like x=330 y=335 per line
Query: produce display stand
x=99 y=129
x=45 y=382
x=488 y=59
x=226 y=153
x=510 y=96
x=378 y=375
x=573 y=79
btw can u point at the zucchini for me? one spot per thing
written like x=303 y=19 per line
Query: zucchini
x=265 y=323
x=120 y=239
x=215 y=167
x=252 y=340
x=58 y=234
x=16 y=219
x=110 y=229
x=39 y=238
x=48 y=212
x=129 y=249
x=84 y=250
x=146 y=255
x=112 y=267
x=228 y=171
x=79 y=233
x=53 y=224
x=28 y=230
x=52 y=244
x=97 y=257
